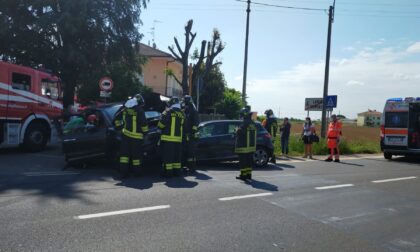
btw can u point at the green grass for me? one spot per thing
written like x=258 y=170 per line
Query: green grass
x=296 y=147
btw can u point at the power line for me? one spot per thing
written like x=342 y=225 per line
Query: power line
x=283 y=6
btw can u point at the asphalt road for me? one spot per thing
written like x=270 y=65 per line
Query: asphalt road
x=362 y=204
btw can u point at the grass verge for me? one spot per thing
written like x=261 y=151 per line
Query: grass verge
x=296 y=146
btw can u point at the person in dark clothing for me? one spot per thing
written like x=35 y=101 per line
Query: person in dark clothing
x=132 y=120
x=245 y=146
x=190 y=133
x=270 y=124
x=171 y=124
x=285 y=134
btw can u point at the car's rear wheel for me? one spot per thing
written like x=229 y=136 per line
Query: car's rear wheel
x=261 y=157
x=387 y=155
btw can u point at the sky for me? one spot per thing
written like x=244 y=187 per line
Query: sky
x=375 y=49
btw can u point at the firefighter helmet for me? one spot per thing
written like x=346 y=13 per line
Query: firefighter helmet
x=172 y=101
x=140 y=99
x=269 y=112
x=246 y=111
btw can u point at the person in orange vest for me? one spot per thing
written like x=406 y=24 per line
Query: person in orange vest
x=334 y=133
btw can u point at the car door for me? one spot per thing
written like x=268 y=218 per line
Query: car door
x=211 y=139
x=86 y=141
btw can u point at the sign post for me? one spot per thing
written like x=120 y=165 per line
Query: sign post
x=106 y=85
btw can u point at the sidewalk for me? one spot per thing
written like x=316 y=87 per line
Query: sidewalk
x=323 y=157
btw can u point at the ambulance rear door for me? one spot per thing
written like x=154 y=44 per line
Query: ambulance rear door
x=414 y=126
x=396 y=128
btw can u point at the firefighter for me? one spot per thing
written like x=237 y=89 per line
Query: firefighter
x=245 y=146
x=334 y=133
x=270 y=124
x=190 y=132
x=132 y=120
x=171 y=125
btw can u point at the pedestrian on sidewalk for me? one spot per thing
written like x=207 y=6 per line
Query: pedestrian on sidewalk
x=334 y=133
x=285 y=134
x=307 y=133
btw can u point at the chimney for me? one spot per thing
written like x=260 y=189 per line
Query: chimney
x=154 y=45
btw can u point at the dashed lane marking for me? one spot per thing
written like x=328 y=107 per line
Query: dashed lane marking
x=128 y=211
x=333 y=186
x=245 y=196
x=393 y=179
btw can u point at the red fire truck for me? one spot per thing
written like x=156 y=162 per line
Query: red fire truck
x=29 y=101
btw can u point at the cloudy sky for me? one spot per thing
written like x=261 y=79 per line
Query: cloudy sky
x=375 y=49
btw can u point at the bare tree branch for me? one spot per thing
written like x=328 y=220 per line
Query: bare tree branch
x=174 y=54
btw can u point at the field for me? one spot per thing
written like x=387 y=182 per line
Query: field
x=355 y=140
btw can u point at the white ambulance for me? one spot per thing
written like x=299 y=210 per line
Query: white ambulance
x=400 y=127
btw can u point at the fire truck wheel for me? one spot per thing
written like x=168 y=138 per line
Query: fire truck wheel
x=36 y=137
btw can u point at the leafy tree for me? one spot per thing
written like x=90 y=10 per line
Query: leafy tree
x=213 y=89
x=231 y=103
x=73 y=38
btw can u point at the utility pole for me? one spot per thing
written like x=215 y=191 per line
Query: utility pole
x=327 y=71
x=248 y=10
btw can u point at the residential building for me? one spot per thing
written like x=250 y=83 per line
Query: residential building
x=153 y=72
x=371 y=118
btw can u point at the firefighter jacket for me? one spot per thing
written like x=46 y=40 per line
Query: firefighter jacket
x=191 y=121
x=270 y=124
x=334 y=130
x=132 y=121
x=246 y=138
x=171 y=124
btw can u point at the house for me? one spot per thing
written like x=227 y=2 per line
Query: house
x=370 y=118
x=153 y=72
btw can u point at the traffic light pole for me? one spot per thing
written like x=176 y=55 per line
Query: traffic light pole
x=248 y=10
x=327 y=72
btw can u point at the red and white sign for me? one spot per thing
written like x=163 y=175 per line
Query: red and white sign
x=106 y=84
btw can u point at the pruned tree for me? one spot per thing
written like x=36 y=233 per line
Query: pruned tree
x=183 y=54
x=214 y=48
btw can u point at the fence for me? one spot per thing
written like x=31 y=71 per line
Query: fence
x=211 y=117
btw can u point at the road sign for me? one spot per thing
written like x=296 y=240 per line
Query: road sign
x=106 y=84
x=315 y=104
x=104 y=94
x=331 y=101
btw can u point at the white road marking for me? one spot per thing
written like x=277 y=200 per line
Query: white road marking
x=245 y=196
x=135 y=210
x=393 y=179
x=37 y=174
x=333 y=186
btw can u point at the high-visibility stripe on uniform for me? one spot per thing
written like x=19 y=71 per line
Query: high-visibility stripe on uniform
x=134 y=129
x=168 y=166
x=132 y=134
x=124 y=160
x=161 y=125
x=173 y=124
x=176 y=165
x=136 y=162
x=145 y=128
x=177 y=139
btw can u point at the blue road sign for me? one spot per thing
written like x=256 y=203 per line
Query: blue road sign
x=331 y=101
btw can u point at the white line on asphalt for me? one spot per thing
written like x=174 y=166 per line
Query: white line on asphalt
x=136 y=210
x=333 y=186
x=36 y=174
x=393 y=179
x=245 y=196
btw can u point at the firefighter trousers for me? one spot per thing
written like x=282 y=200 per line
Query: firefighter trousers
x=245 y=164
x=171 y=157
x=130 y=153
x=190 y=146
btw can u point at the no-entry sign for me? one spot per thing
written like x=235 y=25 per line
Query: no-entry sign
x=106 y=84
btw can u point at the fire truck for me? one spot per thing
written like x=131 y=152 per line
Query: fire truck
x=400 y=127
x=30 y=100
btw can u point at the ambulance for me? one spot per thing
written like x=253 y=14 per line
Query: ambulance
x=400 y=127
x=30 y=100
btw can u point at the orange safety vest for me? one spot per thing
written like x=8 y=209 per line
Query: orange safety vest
x=334 y=130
